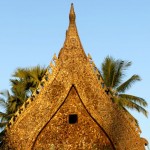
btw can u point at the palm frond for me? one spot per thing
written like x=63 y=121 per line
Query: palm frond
x=123 y=102
x=126 y=85
x=113 y=71
x=126 y=64
x=21 y=73
x=3 y=124
x=5 y=93
x=37 y=73
x=108 y=69
x=120 y=67
x=3 y=114
x=135 y=99
x=3 y=103
x=13 y=107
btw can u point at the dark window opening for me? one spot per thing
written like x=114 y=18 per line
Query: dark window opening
x=73 y=118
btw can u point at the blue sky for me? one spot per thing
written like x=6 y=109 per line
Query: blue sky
x=32 y=31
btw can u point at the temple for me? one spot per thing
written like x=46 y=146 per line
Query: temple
x=72 y=108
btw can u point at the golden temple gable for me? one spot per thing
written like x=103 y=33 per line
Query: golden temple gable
x=72 y=108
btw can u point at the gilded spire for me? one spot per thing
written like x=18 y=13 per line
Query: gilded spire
x=72 y=15
x=72 y=45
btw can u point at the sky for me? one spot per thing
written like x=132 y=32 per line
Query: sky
x=32 y=31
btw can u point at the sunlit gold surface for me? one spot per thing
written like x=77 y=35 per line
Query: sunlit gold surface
x=72 y=85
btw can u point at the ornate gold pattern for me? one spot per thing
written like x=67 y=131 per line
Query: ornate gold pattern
x=72 y=84
x=93 y=138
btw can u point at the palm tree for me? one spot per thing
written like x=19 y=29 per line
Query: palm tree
x=113 y=72
x=25 y=81
x=6 y=100
x=6 y=112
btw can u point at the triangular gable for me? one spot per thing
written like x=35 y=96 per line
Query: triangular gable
x=72 y=68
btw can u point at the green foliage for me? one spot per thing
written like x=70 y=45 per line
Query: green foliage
x=26 y=80
x=23 y=84
x=113 y=72
x=5 y=115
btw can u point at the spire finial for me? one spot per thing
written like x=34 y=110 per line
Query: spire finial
x=72 y=44
x=72 y=15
